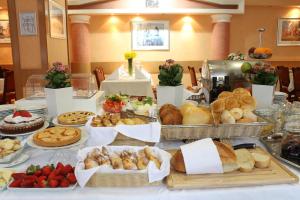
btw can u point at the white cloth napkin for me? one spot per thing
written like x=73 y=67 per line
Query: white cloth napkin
x=154 y=174
x=291 y=86
x=115 y=75
x=201 y=157
x=106 y=135
x=140 y=73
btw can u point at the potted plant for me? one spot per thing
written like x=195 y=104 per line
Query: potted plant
x=58 y=90
x=263 y=78
x=129 y=56
x=170 y=89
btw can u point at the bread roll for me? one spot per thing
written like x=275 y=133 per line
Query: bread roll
x=226 y=154
x=245 y=160
x=231 y=103
x=261 y=160
x=225 y=94
x=195 y=115
x=247 y=102
x=150 y=155
x=248 y=114
x=227 y=118
x=241 y=91
x=218 y=106
x=185 y=107
x=173 y=117
x=166 y=106
x=237 y=113
x=245 y=120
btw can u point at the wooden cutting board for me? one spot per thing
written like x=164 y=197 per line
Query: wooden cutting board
x=275 y=174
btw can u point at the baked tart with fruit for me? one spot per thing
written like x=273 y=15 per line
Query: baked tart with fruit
x=57 y=136
x=74 y=118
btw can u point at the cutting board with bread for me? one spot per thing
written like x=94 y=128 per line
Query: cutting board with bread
x=241 y=167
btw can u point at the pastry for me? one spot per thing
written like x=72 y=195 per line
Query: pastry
x=237 y=113
x=113 y=119
x=248 y=114
x=57 y=136
x=74 y=118
x=150 y=155
x=226 y=153
x=241 y=91
x=196 y=115
x=245 y=160
x=231 y=102
x=170 y=115
x=186 y=107
x=90 y=163
x=9 y=146
x=247 y=102
x=116 y=161
x=218 y=106
x=129 y=160
x=142 y=160
x=225 y=94
x=227 y=118
x=20 y=122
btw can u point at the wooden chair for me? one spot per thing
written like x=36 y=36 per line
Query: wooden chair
x=99 y=73
x=193 y=76
x=296 y=76
x=9 y=92
x=284 y=79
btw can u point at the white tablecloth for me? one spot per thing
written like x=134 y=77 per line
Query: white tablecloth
x=137 y=87
x=274 y=192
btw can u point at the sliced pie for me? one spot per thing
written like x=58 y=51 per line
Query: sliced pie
x=74 y=118
x=57 y=136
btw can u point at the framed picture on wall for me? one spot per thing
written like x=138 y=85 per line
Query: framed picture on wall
x=4 y=31
x=288 y=32
x=28 y=25
x=150 y=35
x=57 y=20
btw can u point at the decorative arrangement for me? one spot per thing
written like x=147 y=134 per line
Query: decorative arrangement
x=260 y=52
x=4 y=31
x=263 y=78
x=288 y=33
x=236 y=56
x=129 y=56
x=170 y=89
x=150 y=35
x=58 y=90
x=57 y=20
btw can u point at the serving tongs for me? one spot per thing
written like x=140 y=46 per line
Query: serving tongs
x=132 y=114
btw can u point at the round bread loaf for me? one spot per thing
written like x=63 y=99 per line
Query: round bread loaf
x=241 y=91
x=218 y=105
x=231 y=102
x=225 y=94
x=247 y=102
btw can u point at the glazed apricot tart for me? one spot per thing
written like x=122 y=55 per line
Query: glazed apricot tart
x=57 y=136
x=74 y=118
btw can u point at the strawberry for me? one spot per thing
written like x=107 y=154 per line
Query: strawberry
x=64 y=183
x=46 y=170
x=67 y=169
x=59 y=166
x=57 y=171
x=58 y=178
x=18 y=176
x=53 y=183
x=25 y=113
x=52 y=175
x=71 y=178
x=16 y=114
x=36 y=185
x=42 y=183
x=27 y=183
x=38 y=173
x=42 y=178
x=16 y=183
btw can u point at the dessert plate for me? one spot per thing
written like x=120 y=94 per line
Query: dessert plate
x=55 y=122
x=46 y=124
x=21 y=159
x=83 y=139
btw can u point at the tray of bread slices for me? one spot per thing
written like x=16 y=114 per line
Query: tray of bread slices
x=224 y=165
x=121 y=166
x=231 y=115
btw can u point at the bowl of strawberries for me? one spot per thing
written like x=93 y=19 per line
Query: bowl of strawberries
x=114 y=103
x=48 y=177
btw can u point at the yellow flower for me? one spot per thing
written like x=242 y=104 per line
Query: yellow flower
x=129 y=55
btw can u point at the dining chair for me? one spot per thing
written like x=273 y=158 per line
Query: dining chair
x=296 y=76
x=193 y=76
x=9 y=92
x=284 y=79
x=99 y=73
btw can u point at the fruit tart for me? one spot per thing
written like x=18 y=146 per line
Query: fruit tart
x=74 y=118
x=21 y=121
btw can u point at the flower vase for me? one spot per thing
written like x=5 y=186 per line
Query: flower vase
x=130 y=67
x=59 y=100
x=263 y=94
x=170 y=94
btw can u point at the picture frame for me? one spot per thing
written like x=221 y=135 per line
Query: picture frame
x=150 y=35
x=4 y=31
x=288 y=33
x=57 y=20
x=28 y=26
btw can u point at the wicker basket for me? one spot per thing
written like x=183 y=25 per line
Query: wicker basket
x=121 y=180
x=181 y=132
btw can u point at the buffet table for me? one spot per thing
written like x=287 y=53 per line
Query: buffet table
x=284 y=191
